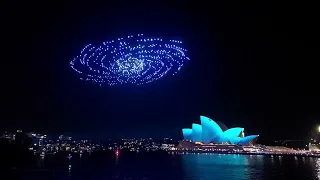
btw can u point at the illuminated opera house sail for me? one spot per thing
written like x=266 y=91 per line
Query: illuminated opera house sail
x=210 y=132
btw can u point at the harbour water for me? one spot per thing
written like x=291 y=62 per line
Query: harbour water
x=175 y=167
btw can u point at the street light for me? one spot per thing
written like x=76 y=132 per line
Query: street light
x=319 y=128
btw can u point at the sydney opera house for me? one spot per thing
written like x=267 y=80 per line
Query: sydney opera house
x=210 y=134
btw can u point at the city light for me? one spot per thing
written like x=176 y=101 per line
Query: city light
x=130 y=60
x=225 y=144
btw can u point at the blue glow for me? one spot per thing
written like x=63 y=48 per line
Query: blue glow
x=210 y=129
x=233 y=134
x=236 y=140
x=221 y=139
x=130 y=60
x=196 y=133
x=187 y=133
x=246 y=140
x=210 y=132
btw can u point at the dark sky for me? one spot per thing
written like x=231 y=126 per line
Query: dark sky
x=252 y=65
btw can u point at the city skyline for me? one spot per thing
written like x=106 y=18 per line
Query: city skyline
x=242 y=72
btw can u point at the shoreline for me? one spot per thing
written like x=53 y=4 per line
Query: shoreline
x=245 y=153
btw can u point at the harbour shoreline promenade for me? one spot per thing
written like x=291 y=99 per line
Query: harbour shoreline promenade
x=301 y=154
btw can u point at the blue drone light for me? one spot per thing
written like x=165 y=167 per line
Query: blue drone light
x=130 y=60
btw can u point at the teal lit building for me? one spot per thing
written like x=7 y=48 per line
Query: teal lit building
x=210 y=132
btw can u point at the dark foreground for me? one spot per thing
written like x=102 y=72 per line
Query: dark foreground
x=162 y=166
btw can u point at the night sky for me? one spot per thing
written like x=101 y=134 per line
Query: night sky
x=252 y=65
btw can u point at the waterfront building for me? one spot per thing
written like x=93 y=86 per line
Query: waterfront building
x=210 y=132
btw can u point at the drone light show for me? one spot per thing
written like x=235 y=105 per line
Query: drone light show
x=133 y=59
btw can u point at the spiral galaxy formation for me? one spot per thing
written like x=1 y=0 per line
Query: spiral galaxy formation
x=130 y=60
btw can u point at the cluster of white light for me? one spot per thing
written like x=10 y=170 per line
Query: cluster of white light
x=130 y=60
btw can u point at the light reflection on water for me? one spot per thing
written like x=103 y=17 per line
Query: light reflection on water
x=318 y=167
x=234 y=167
x=214 y=166
x=180 y=167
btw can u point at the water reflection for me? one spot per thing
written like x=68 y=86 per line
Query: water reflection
x=39 y=162
x=117 y=158
x=255 y=167
x=210 y=166
x=318 y=167
x=179 y=167
x=69 y=171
